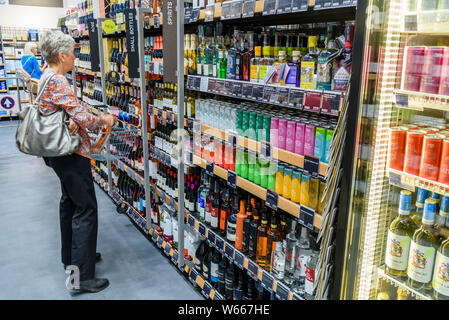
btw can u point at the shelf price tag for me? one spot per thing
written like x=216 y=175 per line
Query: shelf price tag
x=296 y=98
x=312 y=165
x=328 y=3
x=167 y=249
x=300 y=5
x=155 y=236
x=229 y=251
x=267 y=281
x=210 y=168
x=187 y=14
x=226 y=11
x=331 y=103
x=306 y=217
x=209 y=13
x=193 y=274
x=236 y=89
x=253 y=270
x=219 y=243
x=202 y=230
x=312 y=101
x=191 y=221
x=269 y=94
x=206 y=290
x=236 y=11
x=239 y=259
x=204 y=84
x=211 y=86
x=402 y=100
x=282 y=291
x=175 y=256
x=159 y=241
x=248 y=8
x=318 y=5
x=232 y=179
x=197 y=127
x=194 y=15
x=228 y=88
x=211 y=237
x=247 y=91
x=281 y=96
x=269 y=7
x=272 y=199
x=284 y=6
x=258 y=92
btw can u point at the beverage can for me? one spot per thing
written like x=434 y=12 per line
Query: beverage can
x=271 y=175
x=314 y=187
x=290 y=136
x=282 y=133
x=321 y=201
x=405 y=202
x=296 y=185
x=260 y=133
x=433 y=65
x=287 y=190
x=264 y=167
x=305 y=184
x=431 y=156
x=413 y=68
x=320 y=143
x=244 y=166
x=274 y=132
x=413 y=151
x=251 y=164
x=245 y=123
x=443 y=176
x=266 y=128
x=257 y=171
x=299 y=138
x=279 y=187
x=398 y=137
x=309 y=140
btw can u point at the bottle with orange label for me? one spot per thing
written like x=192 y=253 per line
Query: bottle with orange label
x=262 y=234
x=241 y=216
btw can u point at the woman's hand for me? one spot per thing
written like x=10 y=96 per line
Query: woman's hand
x=107 y=120
x=73 y=127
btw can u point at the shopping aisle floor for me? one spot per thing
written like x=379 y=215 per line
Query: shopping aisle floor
x=30 y=262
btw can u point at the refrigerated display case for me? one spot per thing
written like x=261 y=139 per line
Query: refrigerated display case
x=399 y=157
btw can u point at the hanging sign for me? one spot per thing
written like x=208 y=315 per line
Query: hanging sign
x=132 y=43
x=93 y=43
x=109 y=26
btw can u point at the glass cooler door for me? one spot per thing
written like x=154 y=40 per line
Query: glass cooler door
x=397 y=243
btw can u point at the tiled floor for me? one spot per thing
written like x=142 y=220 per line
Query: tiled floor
x=30 y=263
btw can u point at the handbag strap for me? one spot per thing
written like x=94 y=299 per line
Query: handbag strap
x=41 y=90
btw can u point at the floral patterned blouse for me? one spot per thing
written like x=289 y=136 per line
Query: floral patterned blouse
x=59 y=94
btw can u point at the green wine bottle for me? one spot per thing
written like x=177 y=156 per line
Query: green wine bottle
x=423 y=249
x=400 y=234
x=440 y=281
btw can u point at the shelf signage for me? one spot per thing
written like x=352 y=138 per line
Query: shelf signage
x=269 y=7
x=282 y=291
x=236 y=11
x=253 y=270
x=296 y=98
x=267 y=281
x=226 y=10
x=272 y=199
x=248 y=8
x=238 y=259
x=300 y=5
x=247 y=90
x=258 y=92
x=331 y=103
x=312 y=165
x=219 y=243
x=209 y=13
x=236 y=89
x=169 y=17
x=211 y=237
x=194 y=15
x=206 y=290
x=202 y=229
x=132 y=43
x=284 y=6
x=232 y=179
x=229 y=251
x=210 y=168
x=312 y=101
x=306 y=217
x=93 y=43
x=187 y=15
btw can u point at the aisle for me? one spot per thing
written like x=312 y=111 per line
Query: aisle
x=30 y=263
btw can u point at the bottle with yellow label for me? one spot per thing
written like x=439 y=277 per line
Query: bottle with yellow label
x=287 y=190
x=305 y=188
x=309 y=65
x=296 y=186
x=400 y=234
x=279 y=189
x=255 y=63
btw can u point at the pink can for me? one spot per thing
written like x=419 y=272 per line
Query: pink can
x=309 y=140
x=413 y=68
x=290 y=136
x=274 y=132
x=299 y=138
x=433 y=65
x=282 y=134
x=444 y=85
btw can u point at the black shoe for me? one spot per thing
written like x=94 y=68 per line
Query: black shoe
x=97 y=259
x=92 y=286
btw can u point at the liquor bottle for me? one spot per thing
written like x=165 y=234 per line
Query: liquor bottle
x=246 y=227
x=302 y=255
x=252 y=237
x=225 y=212
x=277 y=64
x=210 y=198
x=267 y=61
x=277 y=44
x=400 y=234
x=231 y=232
x=215 y=207
x=200 y=51
x=202 y=196
x=273 y=240
x=199 y=255
x=238 y=290
x=232 y=54
x=262 y=234
x=222 y=266
x=241 y=215
x=421 y=197
x=214 y=269
x=294 y=70
x=440 y=280
x=208 y=53
x=229 y=282
x=311 y=266
x=290 y=254
x=423 y=249
x=309 y=65
x=277 y=266
x=239 y=59
x=256 y=62
x=247 y=57
x=207 y=261
x=343 y=65
x=326 y=58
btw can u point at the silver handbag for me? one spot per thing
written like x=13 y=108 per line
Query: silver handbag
x=45 y=135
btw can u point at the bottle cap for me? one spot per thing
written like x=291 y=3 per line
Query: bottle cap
x=405 y=201
x=430 y=210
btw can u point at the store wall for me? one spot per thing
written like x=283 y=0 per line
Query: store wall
x=29 y=16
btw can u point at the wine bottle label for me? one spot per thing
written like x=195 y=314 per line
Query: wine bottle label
x=324 y=71
x=398 y=248
x=441 y=275
x=214 y=218
x=310 y=278
x=301 y=264
x=420 y=263
x=214 y=272
x=254 y=72
x=205 y=272
x=341 y=79
x=307 y=74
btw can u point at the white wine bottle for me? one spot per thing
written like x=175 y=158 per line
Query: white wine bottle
x=400 y=234
x=441 y=272
x=423 y=249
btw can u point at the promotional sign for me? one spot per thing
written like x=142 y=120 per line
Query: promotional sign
x=170 y=43
x=132 y=43
x=93 y=43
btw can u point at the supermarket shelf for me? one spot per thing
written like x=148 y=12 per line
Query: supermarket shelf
x=420 y=101
x=310 y=15
x=278 y=154
x=284 y=204
x=130 y=171
x=88 y=72
x=323 y=102
x=410 y=182
x=400 y=283
x=244 y=263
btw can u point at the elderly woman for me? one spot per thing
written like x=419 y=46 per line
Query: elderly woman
x=29 y=61
x=78 y=205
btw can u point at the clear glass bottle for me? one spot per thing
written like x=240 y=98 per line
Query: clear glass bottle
x=255 y=63
x=290 y=254
x=326 y=59
x=266 y=61
x=208 y=53
x=294 y=70
x=248 y=56
x=278 y=261
x=219 y=50
x=302 y=255
x=277 y=64
x=309 y=65
x=200 y=51
x=232 y=54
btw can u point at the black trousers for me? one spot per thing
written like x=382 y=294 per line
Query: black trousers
x=78 y=213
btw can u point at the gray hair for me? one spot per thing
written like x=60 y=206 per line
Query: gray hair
x=28 y=47
x=53 y=43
